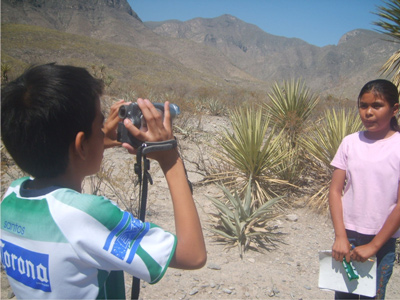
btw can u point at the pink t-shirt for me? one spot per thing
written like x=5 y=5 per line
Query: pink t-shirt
x=373 y=176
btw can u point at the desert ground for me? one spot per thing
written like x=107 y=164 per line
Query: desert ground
x=290 y=271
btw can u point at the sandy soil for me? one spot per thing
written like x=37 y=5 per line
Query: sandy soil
x=289 y=272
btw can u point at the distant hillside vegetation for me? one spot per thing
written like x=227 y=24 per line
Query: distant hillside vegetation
x=131 y=68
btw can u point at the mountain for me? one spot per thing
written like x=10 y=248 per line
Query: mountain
x=220 y=51
x=113 y=21
x=356 y=59
x=91 y=17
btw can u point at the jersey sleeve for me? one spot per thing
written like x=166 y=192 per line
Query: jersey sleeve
x=108 y=238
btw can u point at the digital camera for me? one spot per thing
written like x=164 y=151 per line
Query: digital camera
x=133 y=113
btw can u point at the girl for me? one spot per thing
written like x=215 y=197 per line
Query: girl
x=367 y=213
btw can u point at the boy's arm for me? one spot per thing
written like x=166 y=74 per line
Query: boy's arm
x=190 y=252
x=391 y=225
x=341 y=246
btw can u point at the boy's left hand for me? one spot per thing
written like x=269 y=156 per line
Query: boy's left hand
x=110 y=125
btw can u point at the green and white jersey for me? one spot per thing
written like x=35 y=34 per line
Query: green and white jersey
x=60 y=244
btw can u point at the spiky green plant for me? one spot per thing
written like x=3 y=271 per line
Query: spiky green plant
x=390 y=25
x=239 y=223
x=322 y=142
x=215 y=106
x=291 y=105
x=250 y=150
x=292 y=167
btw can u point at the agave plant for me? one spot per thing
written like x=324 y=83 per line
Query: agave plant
x=322 y=142
x=215 y=106
x=243 y=225
x=250 y=150
x=290 y=107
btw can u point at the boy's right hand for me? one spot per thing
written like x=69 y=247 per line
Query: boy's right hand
x=158 y=128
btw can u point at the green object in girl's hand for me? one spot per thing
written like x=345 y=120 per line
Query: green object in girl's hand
x=350 y=270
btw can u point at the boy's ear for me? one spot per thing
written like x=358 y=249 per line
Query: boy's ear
x=396 y=108
x=80 y=145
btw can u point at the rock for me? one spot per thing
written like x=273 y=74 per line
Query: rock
x=11 y=294
x=193 y=292
x=213 y=266
x=292 y=217
x=307 y=287
x=275 y=290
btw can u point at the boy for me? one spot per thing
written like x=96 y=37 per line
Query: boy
x=57 y=242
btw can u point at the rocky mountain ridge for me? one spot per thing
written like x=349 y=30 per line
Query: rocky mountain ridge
x=223 y=47
x=357 y=58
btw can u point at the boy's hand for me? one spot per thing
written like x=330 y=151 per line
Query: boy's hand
x=110 y=125
x=157 y=129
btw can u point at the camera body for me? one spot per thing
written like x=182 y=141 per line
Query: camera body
x=133 y=113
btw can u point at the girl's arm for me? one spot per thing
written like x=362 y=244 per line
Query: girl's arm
x=341 y=246
x=391 y=225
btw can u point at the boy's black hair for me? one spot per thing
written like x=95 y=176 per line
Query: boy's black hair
x=41 y=113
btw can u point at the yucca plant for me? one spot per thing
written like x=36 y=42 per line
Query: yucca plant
x=290 y=108
x=390 y=25
x=239 y=223
x=291 y=105
x=250 y=150
x=292 y=166
x=322 y=142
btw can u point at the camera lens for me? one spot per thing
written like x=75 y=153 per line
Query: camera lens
x=122 y=113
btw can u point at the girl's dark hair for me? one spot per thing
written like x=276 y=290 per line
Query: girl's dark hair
x=41 y=113
x=384 y=89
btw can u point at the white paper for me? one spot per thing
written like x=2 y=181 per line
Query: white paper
x=332 y=275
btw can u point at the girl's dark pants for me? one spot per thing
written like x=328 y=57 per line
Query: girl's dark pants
x=385 y=260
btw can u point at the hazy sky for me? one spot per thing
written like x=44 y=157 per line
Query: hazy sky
x=318 y=22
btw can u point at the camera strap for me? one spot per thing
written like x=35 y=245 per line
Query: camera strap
x=142 y=171
x=144 y=177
